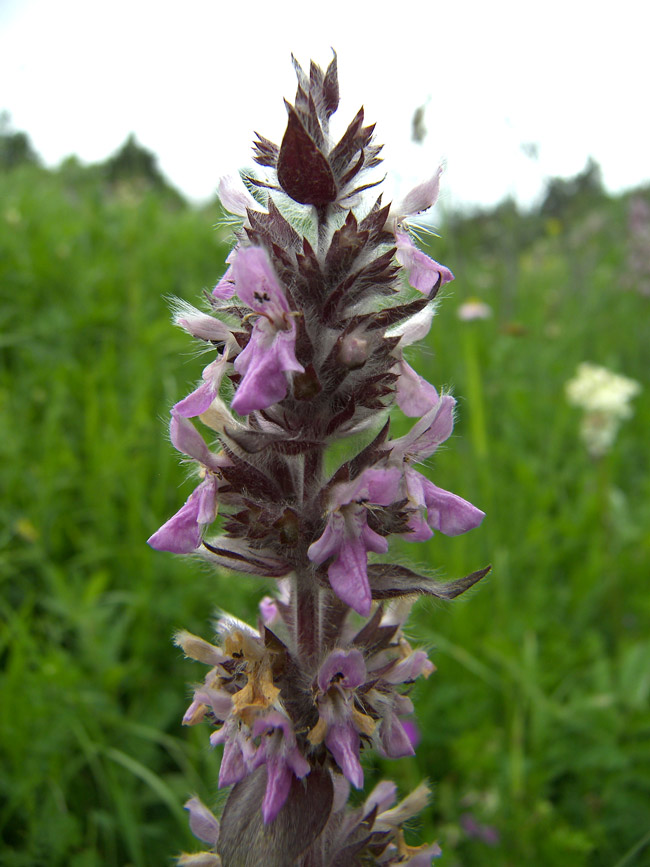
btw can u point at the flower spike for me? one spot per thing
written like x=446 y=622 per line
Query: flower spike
x=309 y=325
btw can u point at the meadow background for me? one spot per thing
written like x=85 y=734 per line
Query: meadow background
x=536 y=726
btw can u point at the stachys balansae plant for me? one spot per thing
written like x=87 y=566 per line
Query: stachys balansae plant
x=324 y=289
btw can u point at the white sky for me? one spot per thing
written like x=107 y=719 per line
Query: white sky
x=193 y=79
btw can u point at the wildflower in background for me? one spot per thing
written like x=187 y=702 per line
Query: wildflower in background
x=636 y=275
x=310 y=322
x=474 y=309
x=605 y=399
x=486 y=833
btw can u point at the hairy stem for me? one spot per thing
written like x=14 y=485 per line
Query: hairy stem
x=306 y=595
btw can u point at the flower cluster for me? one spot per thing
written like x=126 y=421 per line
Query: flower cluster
x=323 y=293
x=605 y=399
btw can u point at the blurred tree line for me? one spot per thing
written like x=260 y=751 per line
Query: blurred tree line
x=131 y=170
x=135 y=167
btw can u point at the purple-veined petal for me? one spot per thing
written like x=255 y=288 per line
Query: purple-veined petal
x=373 y=541
x=343 y=742
x=181 y=534
x=423 y=271
x=196 y=402
x=429 y=432
x=378 y=486
x=277 y=788
x=414 y=395
x=225 y=288
x=383 y=796
x=233 y=767
x=267 y=358
x=218 y=700
x=297 y=762
x=394 y=739
x=257 y=285
x=449 y=513
x=201 y=398
x=203 y=823
x=348 y=575
x=207 y=510
x=329 y=543
x=419 y=530
x=407 y=669
x=187 y=439
x=347 y=663
x=281 y=742
x=273 y=721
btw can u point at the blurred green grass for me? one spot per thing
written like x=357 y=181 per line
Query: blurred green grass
x=537 y=722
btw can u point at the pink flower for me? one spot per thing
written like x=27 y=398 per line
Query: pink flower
x=279 y=751
x=225 y=288
x=235 y=197
x=203 y=823
x=339 y=676
x=423 y=272
x=271 y=350
x=203 y=396
x=417 y=200
x=183 y=532
x=348 y=538
x=433 y=508
x=414 y=395
x=474 y=309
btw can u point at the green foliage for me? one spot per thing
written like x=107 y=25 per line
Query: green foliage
x=15 y=147
x=537 y=720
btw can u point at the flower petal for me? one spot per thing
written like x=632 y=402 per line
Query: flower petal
x=343 y=742
x=268 y=356
x=256 y=283
x=347 y=663
x=181 y=534
x=394 y=739
x=234 y=196
x=423 y=271
x=203 y=823
x=449 y=513
x=196 y=402
x=348 y=575
x=329 y=543
x=422 y=197
x=429 y=432
x=277 y=788
x=415 y=396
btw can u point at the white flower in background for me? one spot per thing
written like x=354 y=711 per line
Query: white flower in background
x=605 y=398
